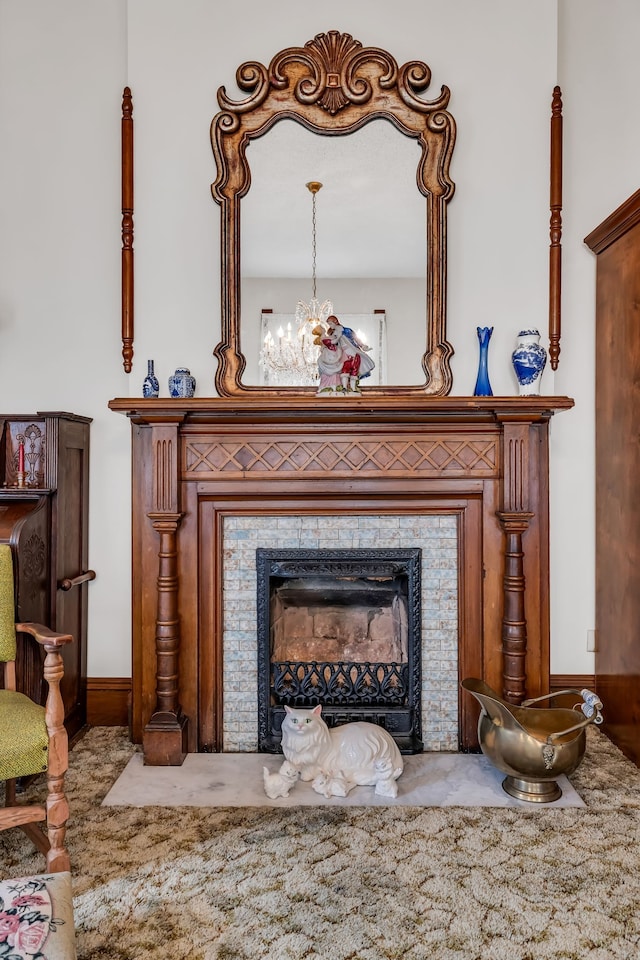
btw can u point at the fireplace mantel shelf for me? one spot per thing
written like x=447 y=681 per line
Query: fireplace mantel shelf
x=195 y=462
x=313 y=409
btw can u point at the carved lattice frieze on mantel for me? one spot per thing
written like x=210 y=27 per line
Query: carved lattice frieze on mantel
x=342 y=456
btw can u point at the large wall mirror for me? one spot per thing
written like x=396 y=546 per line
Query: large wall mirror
x=372 y=240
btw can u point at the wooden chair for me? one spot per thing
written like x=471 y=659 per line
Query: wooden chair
x=33 y=738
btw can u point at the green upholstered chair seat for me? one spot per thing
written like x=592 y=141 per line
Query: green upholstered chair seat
x=7 y=612
x=23 y=736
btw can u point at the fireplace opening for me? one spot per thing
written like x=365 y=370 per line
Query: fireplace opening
x=340 y=628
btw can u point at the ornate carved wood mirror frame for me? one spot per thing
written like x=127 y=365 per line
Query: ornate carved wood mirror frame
x=333 y=86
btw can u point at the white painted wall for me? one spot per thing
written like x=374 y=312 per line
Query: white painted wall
x=62 y=70
x=599 y=72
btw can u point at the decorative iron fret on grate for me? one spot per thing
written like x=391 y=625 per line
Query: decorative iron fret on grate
x=338 y=684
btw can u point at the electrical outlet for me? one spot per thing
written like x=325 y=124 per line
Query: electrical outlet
x=591 y=641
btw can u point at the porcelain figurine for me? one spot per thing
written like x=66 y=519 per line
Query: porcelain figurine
x=338 y=759
x=278 y=784
x=343 y=361
x=182 y=384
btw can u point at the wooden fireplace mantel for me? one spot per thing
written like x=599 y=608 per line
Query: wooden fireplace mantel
x=483 y=458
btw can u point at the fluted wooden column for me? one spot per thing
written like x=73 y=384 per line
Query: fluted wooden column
x=165 y=735
x=514 y=518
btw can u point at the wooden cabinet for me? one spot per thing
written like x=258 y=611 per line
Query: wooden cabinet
x=617 y=663
x=45 y=521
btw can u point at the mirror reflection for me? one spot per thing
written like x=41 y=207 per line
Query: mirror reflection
x=370 y=241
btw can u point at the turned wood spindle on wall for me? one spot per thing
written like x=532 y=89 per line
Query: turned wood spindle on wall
x=127 y=229
x=555 y=228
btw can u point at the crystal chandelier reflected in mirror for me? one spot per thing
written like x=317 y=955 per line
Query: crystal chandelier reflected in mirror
x=290 y=358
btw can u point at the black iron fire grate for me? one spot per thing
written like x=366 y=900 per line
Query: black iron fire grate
x=344 y=684
x=386 y=693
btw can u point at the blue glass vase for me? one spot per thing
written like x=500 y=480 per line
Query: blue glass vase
x=483 y=387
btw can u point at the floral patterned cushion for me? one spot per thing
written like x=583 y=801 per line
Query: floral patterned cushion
x=36 y=918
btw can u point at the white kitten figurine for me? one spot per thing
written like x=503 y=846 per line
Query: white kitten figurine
x=343 y=757
x=278 y=784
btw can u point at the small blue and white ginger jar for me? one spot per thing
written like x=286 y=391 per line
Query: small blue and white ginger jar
x=529 y=359
x=182 y=384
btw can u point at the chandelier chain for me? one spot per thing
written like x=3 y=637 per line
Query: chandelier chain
x=289 y=357
x=313 y=243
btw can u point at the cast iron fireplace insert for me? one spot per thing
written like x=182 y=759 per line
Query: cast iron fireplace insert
x=340 y=628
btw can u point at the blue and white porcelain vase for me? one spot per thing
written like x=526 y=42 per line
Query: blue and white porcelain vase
x=150 y=385
x=483 y=387
x=182 y=384
x=529 y=359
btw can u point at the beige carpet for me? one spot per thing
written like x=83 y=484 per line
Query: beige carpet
x=351 y=883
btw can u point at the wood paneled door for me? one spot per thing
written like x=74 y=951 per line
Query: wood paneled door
x=617 y=663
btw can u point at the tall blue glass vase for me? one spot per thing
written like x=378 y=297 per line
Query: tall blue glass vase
x=483 y=387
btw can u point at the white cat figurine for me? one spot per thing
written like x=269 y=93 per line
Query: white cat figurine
x=278 y=784
x=338 y=759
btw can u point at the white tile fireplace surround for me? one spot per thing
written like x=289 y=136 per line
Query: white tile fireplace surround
x=435 y=534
